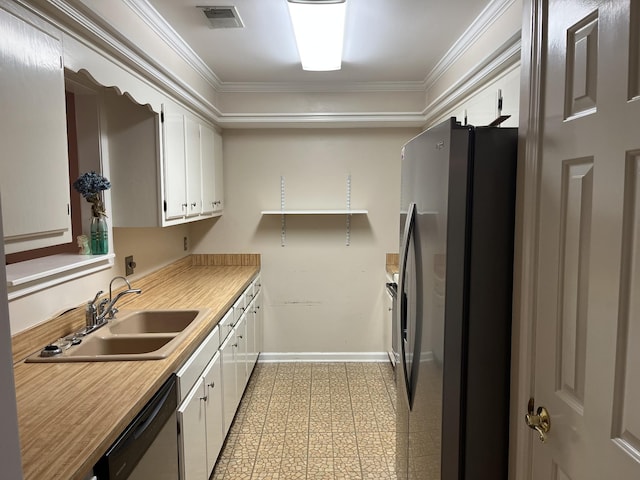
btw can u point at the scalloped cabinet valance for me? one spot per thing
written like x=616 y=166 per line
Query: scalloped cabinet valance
x=84 y=59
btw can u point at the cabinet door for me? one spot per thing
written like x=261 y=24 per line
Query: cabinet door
x=252 y=352
x=241 y=355
x=194 y=172
x=34 y=170
x=259 y=327
x=218 y=173
x=174 y=165
x=214 y=412
x=229 y=389
x=192 y=436
x=207 y=158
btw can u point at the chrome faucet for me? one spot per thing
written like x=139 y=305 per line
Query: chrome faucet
x=97 y=315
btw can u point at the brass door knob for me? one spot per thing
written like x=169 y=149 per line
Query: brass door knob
x=540 y=421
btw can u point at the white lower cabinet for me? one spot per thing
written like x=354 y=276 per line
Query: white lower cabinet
x=200 y=421
x=212 y=381
x=199 y=414
x=241 y=356
x=213 y=411
x=229 y=389
x=192 y=435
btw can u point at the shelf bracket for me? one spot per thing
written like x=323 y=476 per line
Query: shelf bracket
x=283 y=216
x=348 y=210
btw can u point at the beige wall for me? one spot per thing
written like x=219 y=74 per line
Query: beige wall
x=320 y=295
x=152 y=248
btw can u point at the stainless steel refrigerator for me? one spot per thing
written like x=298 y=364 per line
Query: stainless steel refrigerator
x=454 y=303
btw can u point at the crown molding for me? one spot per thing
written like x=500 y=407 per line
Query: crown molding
x=320 y=87
x=323 y=120
x=480 y=25
x=166 y=32
x=500 y=62
x=163 y=29
x=83 y=24
x=77 y=20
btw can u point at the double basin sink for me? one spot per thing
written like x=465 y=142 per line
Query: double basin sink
x=133 y=335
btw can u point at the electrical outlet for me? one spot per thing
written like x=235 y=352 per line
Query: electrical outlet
x=129 y=265
x=185 y=243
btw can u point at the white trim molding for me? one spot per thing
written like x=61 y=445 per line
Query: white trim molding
x=501 y=61
x=526 y=240
x=320 y=87
x=164 y=30
x=480 y=25
x=322 y=120
x=87 y=29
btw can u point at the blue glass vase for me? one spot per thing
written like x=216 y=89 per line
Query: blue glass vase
x=99 y=236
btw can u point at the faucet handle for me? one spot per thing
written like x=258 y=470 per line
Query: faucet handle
x=95 y=299
x=102 y=305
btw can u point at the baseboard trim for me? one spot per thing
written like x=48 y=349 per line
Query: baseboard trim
x=326 y=357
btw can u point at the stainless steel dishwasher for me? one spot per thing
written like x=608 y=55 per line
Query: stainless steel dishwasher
x=148 y=447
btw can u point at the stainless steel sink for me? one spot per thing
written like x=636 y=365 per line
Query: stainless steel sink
x=133 y=335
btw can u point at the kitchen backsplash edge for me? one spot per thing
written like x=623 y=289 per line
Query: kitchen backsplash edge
x=28 y=341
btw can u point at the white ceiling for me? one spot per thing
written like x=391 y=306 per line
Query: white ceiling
x=385 y=40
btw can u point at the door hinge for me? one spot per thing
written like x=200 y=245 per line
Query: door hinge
x=68 y=209
x=161 y=117
x=61 y=64
x=165 y=206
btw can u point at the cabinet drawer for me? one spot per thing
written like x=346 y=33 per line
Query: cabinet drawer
x=257 y=285
x=226 y=325
x=190 y=372
x=238 y=307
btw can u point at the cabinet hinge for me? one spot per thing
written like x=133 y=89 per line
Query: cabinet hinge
x=164 y=206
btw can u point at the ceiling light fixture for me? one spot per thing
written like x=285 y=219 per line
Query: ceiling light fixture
x=318 y=26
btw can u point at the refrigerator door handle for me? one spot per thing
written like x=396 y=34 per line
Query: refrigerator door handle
x=402 y=310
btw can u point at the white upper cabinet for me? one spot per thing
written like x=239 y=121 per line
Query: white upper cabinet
x=174 y=136
x=211 y=158
x=164 y=167
x=193 y=187
x=34 y=172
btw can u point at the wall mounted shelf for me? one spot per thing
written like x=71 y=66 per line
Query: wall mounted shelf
x=315 y=212
x=283 y=212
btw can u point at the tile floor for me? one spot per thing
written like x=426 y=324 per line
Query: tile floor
x=315 y=421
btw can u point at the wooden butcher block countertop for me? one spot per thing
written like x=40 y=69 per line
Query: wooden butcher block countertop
x=70 y=413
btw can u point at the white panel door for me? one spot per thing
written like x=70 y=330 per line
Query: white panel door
x=587 y=327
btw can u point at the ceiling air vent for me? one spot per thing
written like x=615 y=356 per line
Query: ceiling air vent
x=222 y=17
